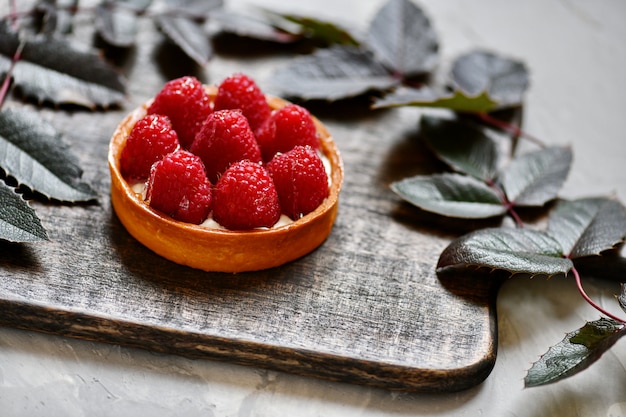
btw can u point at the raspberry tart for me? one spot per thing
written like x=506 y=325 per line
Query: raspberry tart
x=236 y=214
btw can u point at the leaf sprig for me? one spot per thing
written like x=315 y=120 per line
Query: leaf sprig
x=576 y=231
x=478 y=187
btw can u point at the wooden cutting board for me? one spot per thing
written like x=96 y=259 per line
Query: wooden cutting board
x=366 y=307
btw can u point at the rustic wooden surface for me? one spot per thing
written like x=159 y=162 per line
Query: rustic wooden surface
x=366 y=307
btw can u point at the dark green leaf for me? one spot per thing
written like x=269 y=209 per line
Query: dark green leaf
x=51 y=70
x=513 y=250
x=32 y=152
x=575 y=352
x=117 y=20
x=188 y=35
x=451 y=195
x=504 y=80
x=18 y=221
x=428 y=97
x=621 y=298
x=324 y=31
x=250 y=26
x=117 y=26
x=536 y=177
x=334 y=73
x=402 y=37
x=462 y=145
x=588 y=226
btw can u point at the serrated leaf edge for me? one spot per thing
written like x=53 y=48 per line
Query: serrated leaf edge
x=456 y=266
x=32 y=211
x=576 y=369
x=75 y=183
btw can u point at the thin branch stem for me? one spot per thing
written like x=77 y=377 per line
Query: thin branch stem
x=590 y=301
x=516 y=217
x=7 y=79
x=13 y=13
x=514 y=130
x=506 y=203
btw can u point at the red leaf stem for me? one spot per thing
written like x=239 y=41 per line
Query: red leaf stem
x=516 y=217
x=590 y=301
x=510 y=208
x=7 y=79
x=514 y=130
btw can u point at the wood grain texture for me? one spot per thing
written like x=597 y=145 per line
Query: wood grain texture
x=366 y=307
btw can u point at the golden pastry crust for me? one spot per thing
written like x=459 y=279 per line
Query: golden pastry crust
x=217 y=249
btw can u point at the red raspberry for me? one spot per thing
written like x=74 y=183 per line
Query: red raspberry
x=149 y=141
x=225 y=138
x=245 y=198
x=301 y=180
x=178 y=187
x=186 y=103
x=241 y=92
x=287 y=127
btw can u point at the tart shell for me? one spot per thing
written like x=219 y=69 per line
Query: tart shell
x=222 y=250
